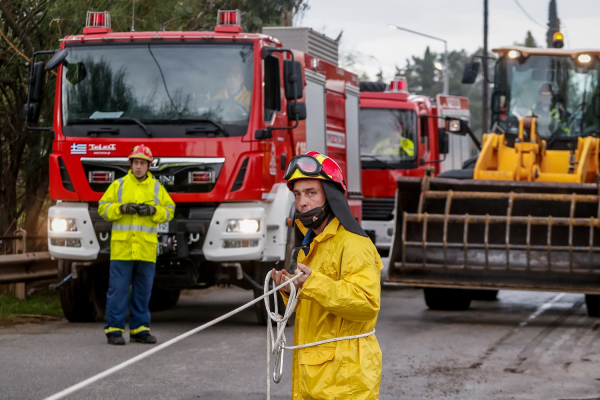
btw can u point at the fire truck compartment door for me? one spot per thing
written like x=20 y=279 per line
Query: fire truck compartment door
x=316 y=139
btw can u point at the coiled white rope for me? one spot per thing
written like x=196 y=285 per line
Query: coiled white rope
x=272 y=343
x=276 y=344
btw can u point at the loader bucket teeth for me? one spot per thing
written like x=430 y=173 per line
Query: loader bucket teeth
x=491 y=234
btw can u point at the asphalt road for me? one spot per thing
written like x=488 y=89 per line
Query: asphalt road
x=526 y=345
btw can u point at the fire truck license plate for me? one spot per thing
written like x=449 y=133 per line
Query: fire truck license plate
x=163 y=228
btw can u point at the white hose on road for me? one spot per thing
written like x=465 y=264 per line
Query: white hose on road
x=273 y=343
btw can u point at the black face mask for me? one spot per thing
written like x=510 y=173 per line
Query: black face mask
x=314 y=218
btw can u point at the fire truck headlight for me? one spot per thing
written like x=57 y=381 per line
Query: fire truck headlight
x=243 y=225
x=63 y=225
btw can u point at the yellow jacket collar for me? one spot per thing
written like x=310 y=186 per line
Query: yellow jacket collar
x=329 y=231
x=132 y=176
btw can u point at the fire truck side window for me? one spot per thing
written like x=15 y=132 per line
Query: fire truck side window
x=272 y=87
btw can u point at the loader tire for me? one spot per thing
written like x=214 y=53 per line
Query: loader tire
x=447 y=299
x=163 y=299
x=592 y=301
x=83 y=299
x=484 y=294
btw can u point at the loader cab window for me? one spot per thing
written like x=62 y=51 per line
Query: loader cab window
x=388 y=138
x=272 y=88
x=561 y=93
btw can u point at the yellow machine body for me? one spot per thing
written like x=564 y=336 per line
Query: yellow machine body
x=529 y=160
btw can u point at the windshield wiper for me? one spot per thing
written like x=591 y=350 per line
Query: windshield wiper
x=205 y=120
x=99 y=121
x=384 y=163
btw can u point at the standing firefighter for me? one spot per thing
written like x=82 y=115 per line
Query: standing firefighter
x=135 y=204
x=340 y=291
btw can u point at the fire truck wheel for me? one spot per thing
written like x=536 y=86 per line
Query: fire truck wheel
x=163 y=299
x=75 y=295
x=592 y=301
x=447 y=299
x=484 y=294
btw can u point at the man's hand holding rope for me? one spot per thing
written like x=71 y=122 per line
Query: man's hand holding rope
x=280 y=277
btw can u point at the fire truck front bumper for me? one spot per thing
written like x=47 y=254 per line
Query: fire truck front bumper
x=71 y=233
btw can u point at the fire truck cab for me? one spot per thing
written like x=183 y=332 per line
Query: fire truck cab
x=223 y=112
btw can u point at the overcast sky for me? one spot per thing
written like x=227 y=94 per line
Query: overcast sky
x=459 y=22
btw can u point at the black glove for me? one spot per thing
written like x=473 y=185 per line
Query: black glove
x=129 y=208
x=145 y=209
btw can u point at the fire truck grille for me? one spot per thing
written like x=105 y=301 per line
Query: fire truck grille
x=377 y=209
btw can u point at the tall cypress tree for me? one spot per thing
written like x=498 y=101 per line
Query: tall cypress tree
x=553 y=22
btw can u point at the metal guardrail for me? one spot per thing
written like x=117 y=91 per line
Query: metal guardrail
x=22 y=266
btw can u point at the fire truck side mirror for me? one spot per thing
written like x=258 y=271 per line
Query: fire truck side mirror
x=293 y=85
x=31 y=110
x=57 y=59
x=443 y=141
x=296 y=110
x=470 y=72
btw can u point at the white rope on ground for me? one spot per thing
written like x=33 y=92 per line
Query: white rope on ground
x=273 y=343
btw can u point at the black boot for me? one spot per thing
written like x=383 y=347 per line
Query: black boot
x=117 y=340
x=143 y=338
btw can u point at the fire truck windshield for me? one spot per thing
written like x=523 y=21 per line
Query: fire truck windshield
x=560 y=92
x=172 y=85
x=387 y=137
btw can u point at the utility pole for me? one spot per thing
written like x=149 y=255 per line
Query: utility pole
x=484 y=99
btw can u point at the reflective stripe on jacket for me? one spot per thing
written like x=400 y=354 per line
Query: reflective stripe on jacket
x=134 y=237
x=341 y=297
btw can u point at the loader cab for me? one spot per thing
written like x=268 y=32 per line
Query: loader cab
x=558 y=87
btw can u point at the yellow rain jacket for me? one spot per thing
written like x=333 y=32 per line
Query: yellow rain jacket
x=134 y=237
x=340 y=298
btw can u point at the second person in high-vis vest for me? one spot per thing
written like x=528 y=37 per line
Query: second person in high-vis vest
x=135 y=204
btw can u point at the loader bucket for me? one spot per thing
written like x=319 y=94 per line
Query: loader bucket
x=497 y=234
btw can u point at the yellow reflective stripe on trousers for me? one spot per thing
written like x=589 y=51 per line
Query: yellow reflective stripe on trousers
x=138 y=330
x=111 y=329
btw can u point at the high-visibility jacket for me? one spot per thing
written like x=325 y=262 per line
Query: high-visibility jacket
x=341 y=297
x=243 y=97
x=385 y=147
x=134 y=237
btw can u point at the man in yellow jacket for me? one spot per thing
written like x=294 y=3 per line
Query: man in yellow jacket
x=339 y=291
x=135 y=204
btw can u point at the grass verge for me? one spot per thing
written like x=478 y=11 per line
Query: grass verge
x=40 y=306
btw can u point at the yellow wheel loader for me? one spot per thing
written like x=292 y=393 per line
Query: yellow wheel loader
x=525 y=212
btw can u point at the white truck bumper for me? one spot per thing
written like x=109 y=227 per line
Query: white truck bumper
x=79 y=244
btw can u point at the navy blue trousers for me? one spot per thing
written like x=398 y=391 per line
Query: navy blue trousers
x=123 y=274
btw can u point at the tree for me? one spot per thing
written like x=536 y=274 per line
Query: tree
x=529 y=41
x=30 y=25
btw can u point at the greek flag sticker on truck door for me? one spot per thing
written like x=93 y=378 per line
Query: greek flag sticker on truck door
x=77 y=148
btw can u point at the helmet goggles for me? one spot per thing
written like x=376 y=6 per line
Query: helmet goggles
x=307 y=165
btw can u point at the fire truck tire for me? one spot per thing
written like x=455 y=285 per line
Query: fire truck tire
x=484 y=294
x=261 y=270
x=447 y=299
x=75 y=295
x=592 y=301
x=163 y=299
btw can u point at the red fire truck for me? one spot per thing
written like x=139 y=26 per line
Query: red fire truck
x=221 y=157
x=402 y=135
